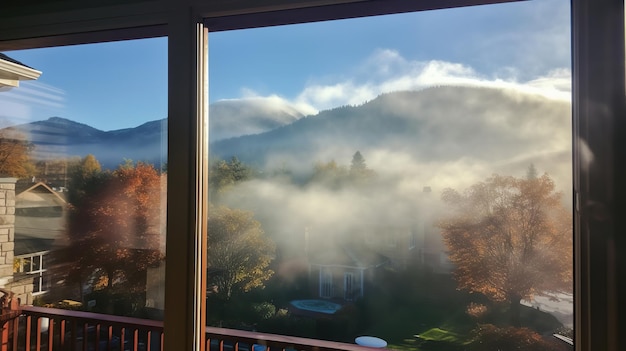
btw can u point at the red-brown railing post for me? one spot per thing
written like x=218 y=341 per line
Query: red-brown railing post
x=5 y=335
x=50 y=334
x=16 y=328
x=28 y=331
x=38 y=336
x=10 y=311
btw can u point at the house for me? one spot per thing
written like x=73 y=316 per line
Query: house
x=11 y=73
x=40 y=218
x=599 y=131
x=343 y=272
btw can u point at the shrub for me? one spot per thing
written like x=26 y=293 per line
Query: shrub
x=490 y=337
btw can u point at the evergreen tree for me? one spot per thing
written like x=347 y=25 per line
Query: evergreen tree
x=531 y=173
x=358 y=163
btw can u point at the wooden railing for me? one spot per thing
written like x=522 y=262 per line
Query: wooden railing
x=40 y=328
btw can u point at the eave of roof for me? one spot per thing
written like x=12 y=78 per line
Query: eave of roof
x=12 y=71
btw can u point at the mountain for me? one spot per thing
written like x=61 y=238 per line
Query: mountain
x=449 y=130
x=428 y=126
x=58 y=137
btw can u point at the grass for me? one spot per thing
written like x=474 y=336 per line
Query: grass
x=438 y=334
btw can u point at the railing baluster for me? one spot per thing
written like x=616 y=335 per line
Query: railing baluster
x=148 y=340
x=28 y=332
x=97 y=326
x=122 y=336
x=50 y=334
x=5 y=335
x=38 y=336
x=85 y=332
x=62 y=333
x=110 y=337
x=135 y=339
x=16 y=328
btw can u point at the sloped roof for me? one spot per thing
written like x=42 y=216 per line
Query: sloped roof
x=356 y=256
x=7 y=58
x=32 y=245
x=34 y=194
x=13 y=71
x=40 y=218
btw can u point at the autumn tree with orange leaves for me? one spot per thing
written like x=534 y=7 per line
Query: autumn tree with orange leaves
x=15 y=155
x=115 y=230
x=509 y=239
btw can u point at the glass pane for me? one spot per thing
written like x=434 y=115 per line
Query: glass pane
x=405 y=177
x=36 y=263
x=37 y=284
x=26 y=264
x=83 y=137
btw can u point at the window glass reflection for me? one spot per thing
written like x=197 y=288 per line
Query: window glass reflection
x=83 y=176
x=397 y=177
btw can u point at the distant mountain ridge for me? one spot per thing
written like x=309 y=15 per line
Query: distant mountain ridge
x=58 y=137
x=431 y=125
x=440 y=123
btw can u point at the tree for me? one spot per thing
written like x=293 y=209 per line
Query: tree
x=509 y=239
x=224 y=175
x=330 y=174
x=115 y=229
x=358 y=169
x=84 y=174
x=358 y=163
x=531 y=173
x=239 y=253
x=15 y=155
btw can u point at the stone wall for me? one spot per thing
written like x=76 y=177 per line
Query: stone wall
x=7 y=229
x=23 y=288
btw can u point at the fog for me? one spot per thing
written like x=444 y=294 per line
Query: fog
x=453 y=139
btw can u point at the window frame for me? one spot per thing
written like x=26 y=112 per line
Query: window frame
x=598 y=128
x=35 y=273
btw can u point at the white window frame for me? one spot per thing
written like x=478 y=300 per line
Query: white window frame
x=326 y=283
x=347 y=293
x=34 y=273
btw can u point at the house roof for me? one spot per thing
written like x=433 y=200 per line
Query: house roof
x=13 y=71
x=39 y=218
x=355 y=256
x=36 y=194
x=32 y=245
x=7 y=58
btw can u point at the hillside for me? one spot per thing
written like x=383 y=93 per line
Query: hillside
x=428 y=127
x=444 y=129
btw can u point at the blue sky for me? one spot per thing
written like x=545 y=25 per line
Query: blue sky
x=312 y=66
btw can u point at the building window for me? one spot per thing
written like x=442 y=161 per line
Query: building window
x=32 y=265
x=348 y=286
x=326 y=283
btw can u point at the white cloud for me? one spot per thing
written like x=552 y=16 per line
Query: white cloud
x=387 y=70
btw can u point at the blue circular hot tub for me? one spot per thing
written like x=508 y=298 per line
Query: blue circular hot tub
x=319 y=306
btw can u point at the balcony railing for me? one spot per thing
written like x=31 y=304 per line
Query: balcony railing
x=40 y=328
